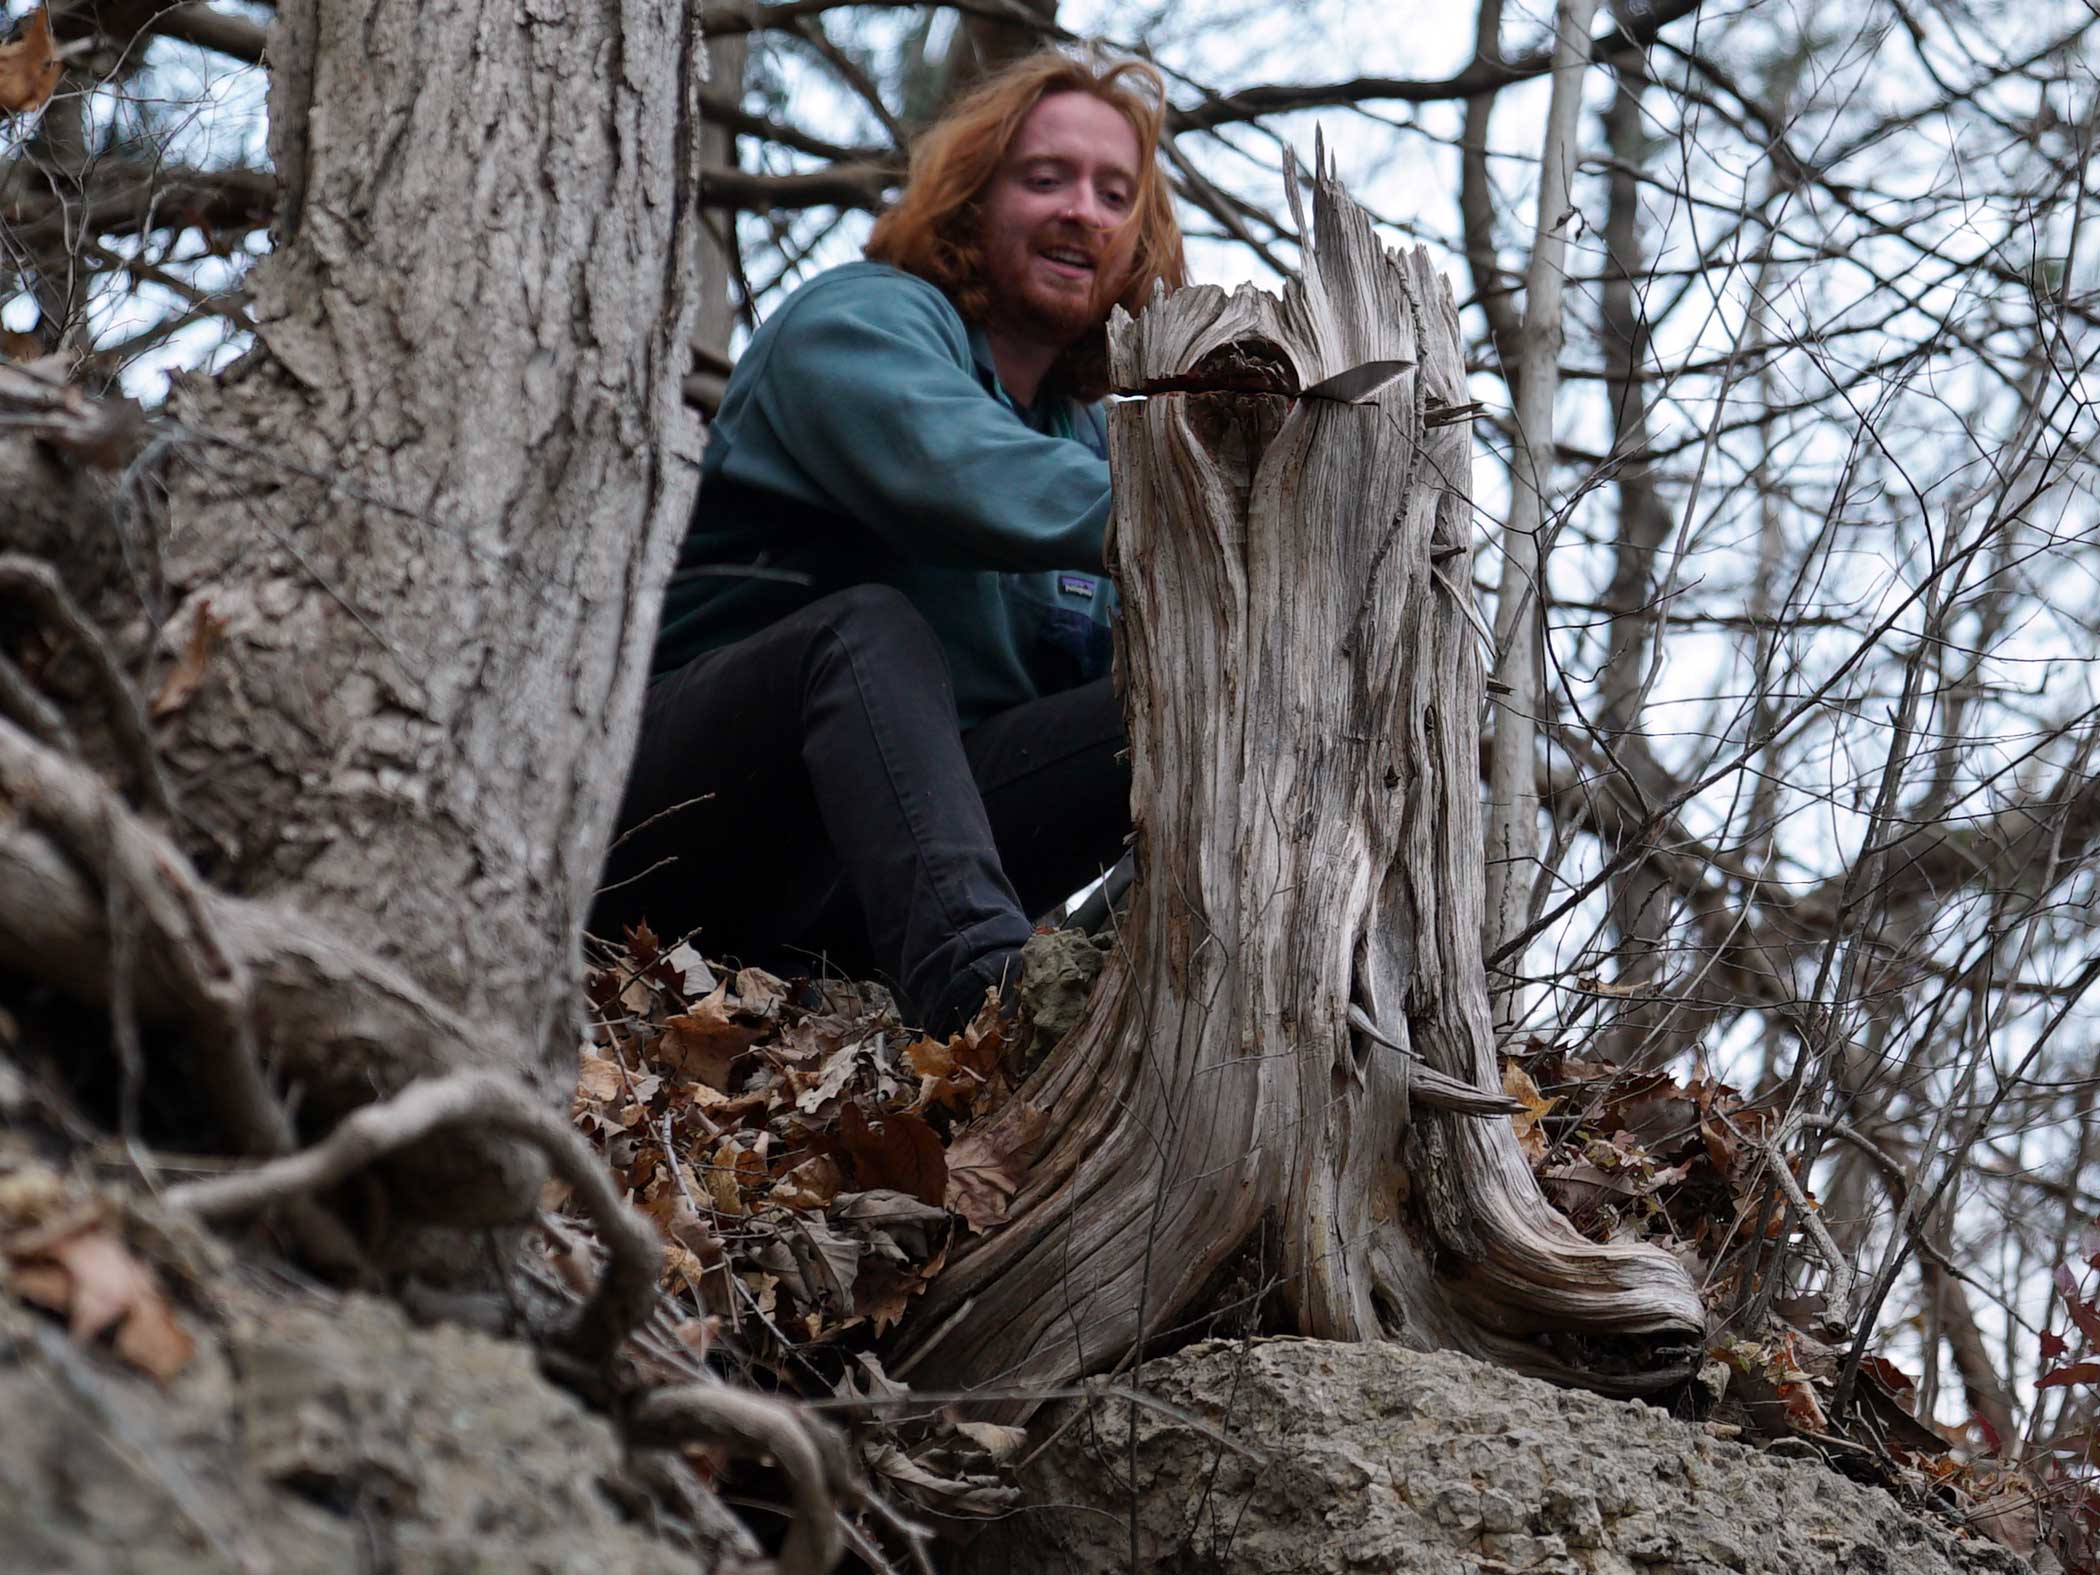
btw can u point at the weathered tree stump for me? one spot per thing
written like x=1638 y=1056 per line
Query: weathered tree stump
x=1298 y=999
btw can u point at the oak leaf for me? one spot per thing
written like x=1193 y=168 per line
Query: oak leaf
x=1517 y=1083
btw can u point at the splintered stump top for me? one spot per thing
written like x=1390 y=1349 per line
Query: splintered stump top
x=1296 y=1015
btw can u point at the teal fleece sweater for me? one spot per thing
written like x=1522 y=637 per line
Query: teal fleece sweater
x=865 y=438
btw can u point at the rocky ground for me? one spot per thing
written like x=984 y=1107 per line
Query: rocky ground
x=1297 y=1457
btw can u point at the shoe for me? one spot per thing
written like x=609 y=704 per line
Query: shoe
x=964 y=998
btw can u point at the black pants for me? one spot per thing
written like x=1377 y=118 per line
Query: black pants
x=848 y=818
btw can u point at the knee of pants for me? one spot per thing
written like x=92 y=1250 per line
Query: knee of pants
x=880 y=622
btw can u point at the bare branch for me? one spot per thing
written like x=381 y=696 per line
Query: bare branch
x=843 y=186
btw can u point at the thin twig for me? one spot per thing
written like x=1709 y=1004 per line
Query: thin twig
x=641 y=826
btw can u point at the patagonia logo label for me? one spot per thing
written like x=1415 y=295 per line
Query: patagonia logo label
x=1075 y=585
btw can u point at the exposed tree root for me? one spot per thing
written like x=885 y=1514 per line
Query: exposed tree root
x=34 y=584
x=807 y=1451
x=483 y=1101
x=265 y=985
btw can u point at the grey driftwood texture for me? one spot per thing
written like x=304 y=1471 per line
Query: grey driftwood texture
x=1360 y=1458
x=1298 y=987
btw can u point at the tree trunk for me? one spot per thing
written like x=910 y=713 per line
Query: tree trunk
x=1298 y=996
x=428 y=519
x=1513 y=803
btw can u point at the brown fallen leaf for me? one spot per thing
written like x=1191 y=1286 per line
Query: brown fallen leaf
x=1001 y=1443
x=1517 y=1083
x=760 y=993
x=187 y=675
x=94 y=1279
x=597 y=1079
x=809 y=1185
x=29 y=67
x=986 y=1166
x=732 y=1172
x=897 y=1151
x=882 y=1293
x=831 y=1079
x=706 y=1042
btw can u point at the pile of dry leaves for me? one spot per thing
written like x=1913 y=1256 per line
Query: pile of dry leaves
x=810 y=1163
x=1694 y=1168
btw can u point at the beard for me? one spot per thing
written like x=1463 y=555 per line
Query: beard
x=1021 y=302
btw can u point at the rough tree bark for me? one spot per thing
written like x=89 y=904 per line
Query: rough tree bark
x=1298 y=995
x=426 y=522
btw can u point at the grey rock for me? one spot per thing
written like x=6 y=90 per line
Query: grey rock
x=324 y=1435
x=1299 y=1457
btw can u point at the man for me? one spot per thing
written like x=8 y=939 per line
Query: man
x=884 y=658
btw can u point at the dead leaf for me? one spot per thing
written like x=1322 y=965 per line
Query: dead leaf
x=986 y=1166
x=871 y=1382
x=598 y=1079
x=2075 y=1373
x=29 y=67
x=882 y=1293
x=896 y=1225
x=730 y=1173
x=1517 y=1083
x=106 y=1281
x=152 y=1341
x=705 y=1042
x=981 y=1045
x=692 y=969
x=1001 y=1443
x=899 y=1151
x=974 y=1495
x=830 y=1262
x=929 y=1058
x=187 y=675
x=831 y=1081
x=759 y=993
x=764 y=1289
x=809 y=1185
x=94 y=1279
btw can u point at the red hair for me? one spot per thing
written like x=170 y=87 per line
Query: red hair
x=931 y=229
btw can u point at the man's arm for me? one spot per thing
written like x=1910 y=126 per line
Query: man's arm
x=868 y=388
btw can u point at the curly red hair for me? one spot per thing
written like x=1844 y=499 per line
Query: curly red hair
x=931 y=229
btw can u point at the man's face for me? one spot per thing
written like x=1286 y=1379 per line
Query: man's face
x=1053 y=222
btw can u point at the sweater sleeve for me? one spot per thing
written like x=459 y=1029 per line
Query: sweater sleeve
x=870 y=391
